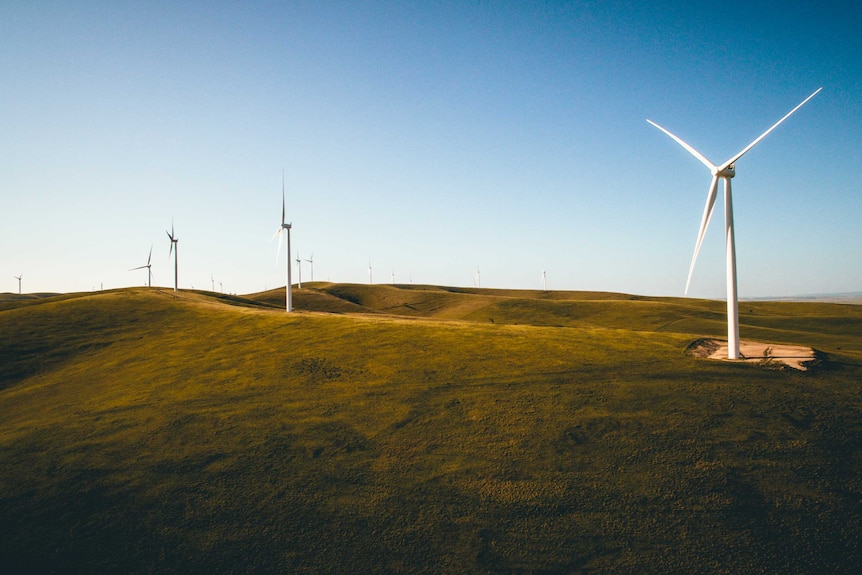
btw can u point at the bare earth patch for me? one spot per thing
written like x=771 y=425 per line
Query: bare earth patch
x=795 y=356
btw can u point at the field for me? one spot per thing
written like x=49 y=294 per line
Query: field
x=421 y=429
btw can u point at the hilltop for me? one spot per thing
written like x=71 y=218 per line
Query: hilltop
x=423 y=429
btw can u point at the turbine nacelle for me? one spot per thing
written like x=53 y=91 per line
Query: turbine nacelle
x=727 y=172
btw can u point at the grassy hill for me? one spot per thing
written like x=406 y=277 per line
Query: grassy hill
x=421 y=429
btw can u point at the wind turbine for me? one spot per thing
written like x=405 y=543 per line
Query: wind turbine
x=478 y=278
x=370 y=277
x=212 y=279
x=285 y=227
x=19 y=282
x=175 y=249
x=544 y=281
x=726 y=172
x=311 y=261
x=149 y=268
x=393 y=277
x=299 y=267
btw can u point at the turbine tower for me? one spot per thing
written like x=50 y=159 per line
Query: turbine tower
x=19 y=282
x=299 y=267
x=726 y=172
x=285 y=227
x=175 y=249
x=370 y=277
x=544 y=281
x=311 y=262
x=149 y=268
x=478 y=278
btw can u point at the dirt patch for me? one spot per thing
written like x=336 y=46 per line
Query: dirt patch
x=773 y=354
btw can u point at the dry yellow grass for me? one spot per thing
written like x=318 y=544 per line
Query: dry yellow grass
x=148 y=432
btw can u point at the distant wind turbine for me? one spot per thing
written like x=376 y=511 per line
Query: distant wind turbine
x=221 y=287
x=726 y=172
x=19 y=282
x=370 y=277
x=544 y=281
x=284 y=228
x=311 y=262
x=175 y=249
x=149 y=268
x=212 y=280
x=299 y=267
x=393 y=277
x=478 y=278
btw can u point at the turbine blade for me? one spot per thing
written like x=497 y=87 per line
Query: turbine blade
x=764 y=134
x=690 y=150
x=278 y=251
x=150 y=257
x=704 y=223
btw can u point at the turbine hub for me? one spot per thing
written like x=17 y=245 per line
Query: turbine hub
x=727 y=172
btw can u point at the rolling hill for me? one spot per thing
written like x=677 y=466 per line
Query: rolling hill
x=423 y=429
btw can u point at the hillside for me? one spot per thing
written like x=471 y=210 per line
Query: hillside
x=419 y=429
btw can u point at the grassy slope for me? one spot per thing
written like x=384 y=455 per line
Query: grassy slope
x=144 y=431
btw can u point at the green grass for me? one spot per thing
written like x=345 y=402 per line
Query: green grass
x=402 y=431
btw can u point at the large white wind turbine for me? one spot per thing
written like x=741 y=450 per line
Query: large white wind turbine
x=19 y=282
x=285 y=227
x=149 y=268
x=725 y=172
x=175 y=249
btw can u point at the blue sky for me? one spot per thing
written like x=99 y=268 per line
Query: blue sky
x=429 y=138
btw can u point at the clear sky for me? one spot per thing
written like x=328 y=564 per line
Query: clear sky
x=429 y=138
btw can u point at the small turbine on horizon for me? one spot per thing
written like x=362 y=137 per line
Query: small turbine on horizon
x=18 y=277
x=175 y=249
x=478 y=278
x=299 y=267
x=311 y=262
x=370 y=277
x=726 y=172
x=149 y=268
x=284 y=227
x=544 y=280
